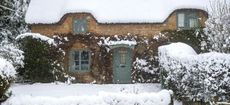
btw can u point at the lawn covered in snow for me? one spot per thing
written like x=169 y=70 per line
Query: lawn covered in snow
x=88 y=94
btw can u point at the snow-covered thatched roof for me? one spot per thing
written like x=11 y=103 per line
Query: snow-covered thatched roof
x=109 y=11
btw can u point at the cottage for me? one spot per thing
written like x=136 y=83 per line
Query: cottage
x=102 y=35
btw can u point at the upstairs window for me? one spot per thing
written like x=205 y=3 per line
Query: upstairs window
x=79 y=60
x=79 y=26
x=187 y=19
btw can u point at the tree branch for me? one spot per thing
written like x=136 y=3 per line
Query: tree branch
x=4 y=7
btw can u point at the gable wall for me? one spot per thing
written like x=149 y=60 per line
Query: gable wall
x=143 y=29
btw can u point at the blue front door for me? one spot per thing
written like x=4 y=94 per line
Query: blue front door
x=122 y=59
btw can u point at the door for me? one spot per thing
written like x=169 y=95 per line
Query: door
x=122 y=59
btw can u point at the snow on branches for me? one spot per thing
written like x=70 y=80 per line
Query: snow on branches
x=6 y=69
x=194 y=76
x=217 y=26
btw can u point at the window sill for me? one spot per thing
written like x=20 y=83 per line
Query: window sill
x=79 y=71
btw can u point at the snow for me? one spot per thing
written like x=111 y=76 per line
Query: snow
x=37 y=36
x=108 y=42
x=6 y=69
x=142 y=64
x=209 y=71
x=109 y=11
x=88 y=94
x=11 y=53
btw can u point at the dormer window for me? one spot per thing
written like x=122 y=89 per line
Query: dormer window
x=79 y=26
x=187 y=19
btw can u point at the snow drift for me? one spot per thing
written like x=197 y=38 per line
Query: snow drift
x=88 y=94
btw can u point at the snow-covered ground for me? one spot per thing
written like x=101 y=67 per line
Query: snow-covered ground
x=88 y=94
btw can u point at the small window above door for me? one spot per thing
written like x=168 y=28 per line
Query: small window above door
x=79 y=26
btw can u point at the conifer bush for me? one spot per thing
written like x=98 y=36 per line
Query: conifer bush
x=43 y=58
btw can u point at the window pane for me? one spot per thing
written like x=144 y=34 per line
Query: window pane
x=193 y=22
x=84 y=62
x=77 y=65
x=123 y=53
x=85 y=55
x=181 y=20
x=80 y=25
x=84 y=66
x=76 y=55
x=123 y=58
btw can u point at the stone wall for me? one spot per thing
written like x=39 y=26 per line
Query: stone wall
x=101 y=66
x=143 y=29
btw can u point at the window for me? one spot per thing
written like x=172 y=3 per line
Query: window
x=123 y=53
x=80 y=26
x=187 y=19
x=79 y=60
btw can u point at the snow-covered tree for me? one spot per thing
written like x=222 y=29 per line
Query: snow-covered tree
x=12 y=13
x=217 y=28
x=11 y=53
x=7 y=74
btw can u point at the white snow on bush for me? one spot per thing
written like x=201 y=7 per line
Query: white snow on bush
x=6 y=69
x=89 y=94
x=11 y=53
x=37 y=36
x=209 y=71
x=108 y=42
x=109 y=11
x=142 y=64
x=185 y=54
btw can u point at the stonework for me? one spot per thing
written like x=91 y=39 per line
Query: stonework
x=101 y=66
x=143 y=29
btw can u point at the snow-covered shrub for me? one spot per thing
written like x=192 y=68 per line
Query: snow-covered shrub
x=197 y=77
x=7 y=74
x=43 y=58
x=11 y=52
x=217 y=26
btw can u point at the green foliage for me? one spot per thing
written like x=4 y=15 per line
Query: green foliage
x=193 y=37
x=4 y=85
x=43 y=61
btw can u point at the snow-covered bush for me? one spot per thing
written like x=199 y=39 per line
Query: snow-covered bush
x=217 y=26
x=197 y=77
x=7 y=74
x=43 y=58
x=11 y=52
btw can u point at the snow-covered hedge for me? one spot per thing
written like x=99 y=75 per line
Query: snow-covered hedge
x=192 y=75
x=103 y=98
x=7 y=74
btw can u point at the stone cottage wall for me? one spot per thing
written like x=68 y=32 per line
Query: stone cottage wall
x=142 y=29
x=101 y=66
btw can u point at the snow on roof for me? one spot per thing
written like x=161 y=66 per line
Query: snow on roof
x=109 y=11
